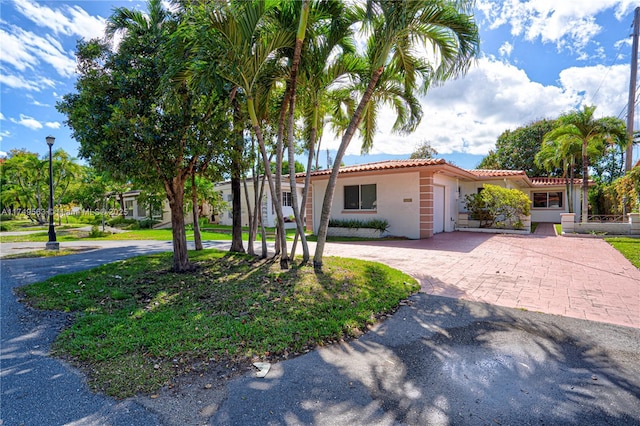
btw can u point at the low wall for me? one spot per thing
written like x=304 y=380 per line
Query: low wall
x=333 y=231
x=631 y=227
x=466 y=224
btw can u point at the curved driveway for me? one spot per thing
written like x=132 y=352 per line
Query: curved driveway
x=576 y=277
x=437 y=360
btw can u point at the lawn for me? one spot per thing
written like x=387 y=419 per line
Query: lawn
x=138 y=325
x=63 y=235
x=628 y=246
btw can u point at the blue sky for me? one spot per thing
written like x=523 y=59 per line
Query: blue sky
x=539 y=58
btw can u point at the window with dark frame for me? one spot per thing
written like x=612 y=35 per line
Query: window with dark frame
x=548 y=200
x=286 y=199
x=360 y=197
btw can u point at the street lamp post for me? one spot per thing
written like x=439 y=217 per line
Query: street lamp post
x=52 y=244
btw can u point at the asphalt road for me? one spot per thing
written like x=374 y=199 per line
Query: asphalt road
x=436 y=361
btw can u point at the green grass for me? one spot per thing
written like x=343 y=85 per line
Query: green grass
x=140 y=234
x=45 y=253
x=138 y=325
x=628 y=246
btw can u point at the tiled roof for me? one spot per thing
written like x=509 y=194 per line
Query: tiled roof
x=383 y=165
x=496 y=173
x=553 y=181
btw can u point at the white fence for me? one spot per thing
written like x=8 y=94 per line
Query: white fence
x=630 y=227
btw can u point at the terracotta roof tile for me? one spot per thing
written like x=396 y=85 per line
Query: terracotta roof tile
x=496 y=173
x=383 y=165
x=553 y=181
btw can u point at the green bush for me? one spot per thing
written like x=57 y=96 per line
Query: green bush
x=380 y=224
x=146 y=223
x=96 y=232
x=498 y=207
x=123 y=223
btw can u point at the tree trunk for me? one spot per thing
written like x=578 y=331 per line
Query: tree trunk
x=236 y=216
x=197 y=238
x=281 y=235
x=284 y=259
x=333 y=178
x=252 y=237
x=304 y=14
x=585 y=183
x=175 y=195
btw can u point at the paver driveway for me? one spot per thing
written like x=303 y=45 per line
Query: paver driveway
x=582 y=278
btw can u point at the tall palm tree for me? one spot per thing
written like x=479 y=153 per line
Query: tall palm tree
x=395 y=31
x=327 y=58
x=592 y=134
x=560 y=153
x=241 y=43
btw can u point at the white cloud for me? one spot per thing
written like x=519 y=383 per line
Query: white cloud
x=506 y=49
x=1 y=116
x=605 y=87
x=2 y=153
x=25 y=50
x=65 y=20
x=571 y=25
x=468 y=114
x=28 y=122
x=19 y=82
x=52 y=124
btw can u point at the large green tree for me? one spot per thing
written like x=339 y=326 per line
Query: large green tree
x=25 y=181
x=131 y=114
x=395 y=31
x=517 y=149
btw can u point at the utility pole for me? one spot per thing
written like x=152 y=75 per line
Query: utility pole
x=632 y=89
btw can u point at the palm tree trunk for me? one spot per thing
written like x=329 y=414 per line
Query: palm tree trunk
x=304 y=14
x=307 y=178
x=284 y=258
x=585 y=183
x=251 y=217
x=333 y=178
x=236 y=215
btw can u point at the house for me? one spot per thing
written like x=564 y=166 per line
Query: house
x=267 y=209
x=136 y=209
x=420 y=198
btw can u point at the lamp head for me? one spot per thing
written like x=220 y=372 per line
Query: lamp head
x=50 y=140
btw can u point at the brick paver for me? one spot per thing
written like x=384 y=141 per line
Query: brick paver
x=575 y=277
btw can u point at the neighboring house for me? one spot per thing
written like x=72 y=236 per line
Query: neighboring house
x=137 y=210
x=267 y=208
x=420 y=198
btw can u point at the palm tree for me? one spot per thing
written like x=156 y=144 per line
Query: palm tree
x=396 y=30
x=592 y=134
x=327 y=57
x=240 y=42
x=560 y=153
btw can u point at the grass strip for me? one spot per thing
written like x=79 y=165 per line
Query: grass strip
x=138 y=325
x=628 y=246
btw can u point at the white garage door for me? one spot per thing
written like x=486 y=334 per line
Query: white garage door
x=438 y=209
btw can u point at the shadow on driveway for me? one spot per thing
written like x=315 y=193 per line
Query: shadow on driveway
x=444 y=361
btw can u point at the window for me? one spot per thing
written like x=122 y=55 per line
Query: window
x=547 y=200
x=128 y=206
x=360 y=197
x=286 y=199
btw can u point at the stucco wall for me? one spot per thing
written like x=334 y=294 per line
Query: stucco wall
x=269 y=215
x=398 y=201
